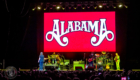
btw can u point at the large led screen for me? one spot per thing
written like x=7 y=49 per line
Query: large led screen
x=79 y=31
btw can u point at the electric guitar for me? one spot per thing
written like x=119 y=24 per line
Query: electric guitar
x=90 y=59
x=115 y=59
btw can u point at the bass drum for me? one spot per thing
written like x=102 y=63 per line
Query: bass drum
x=100 y=62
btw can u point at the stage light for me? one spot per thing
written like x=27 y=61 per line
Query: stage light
x=75 y=8
x=38 y=7
x=63 y=8
x=83 y=8
x=114 y=7
x=33 y=9
x=120 y=5
x=95 y=7
x=100 y=6
x=58 y=7
x=126 y=6
x=44 y=9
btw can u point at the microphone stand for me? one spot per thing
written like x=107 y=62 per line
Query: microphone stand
x=84 y=56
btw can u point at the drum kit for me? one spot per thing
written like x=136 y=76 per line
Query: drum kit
x=103 y=60
x=99 y=59
x=54 y=58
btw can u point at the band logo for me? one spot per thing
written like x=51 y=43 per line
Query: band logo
x=83 y=27
x=76 y=34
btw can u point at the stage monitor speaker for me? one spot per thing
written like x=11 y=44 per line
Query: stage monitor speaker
x=90 y=68
x=50 y=68
x=66 y=61
x=79 y=68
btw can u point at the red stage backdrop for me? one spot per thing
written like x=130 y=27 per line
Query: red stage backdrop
x=79 y=32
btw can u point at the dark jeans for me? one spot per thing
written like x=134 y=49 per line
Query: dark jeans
x=91 y=64
x=40 y=65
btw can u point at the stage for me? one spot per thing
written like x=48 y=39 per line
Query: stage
x=69 y=70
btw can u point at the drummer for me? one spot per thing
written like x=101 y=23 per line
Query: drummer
x=100 y=63
x=104 y=56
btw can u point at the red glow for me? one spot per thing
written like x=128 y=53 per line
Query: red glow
x=79 y=41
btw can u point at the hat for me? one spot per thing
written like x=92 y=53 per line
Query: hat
x=103 y=52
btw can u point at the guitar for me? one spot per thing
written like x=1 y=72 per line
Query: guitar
x=115 y=59
x=90 y=59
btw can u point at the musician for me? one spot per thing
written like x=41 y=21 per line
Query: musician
x=105 y=57
x=53 y=58
x=117 y=60
x=58 y=60
x=108 y=56
x=91 y=60
x=41 y=61
x=102 y=60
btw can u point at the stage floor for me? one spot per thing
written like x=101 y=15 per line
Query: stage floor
x=71 y=70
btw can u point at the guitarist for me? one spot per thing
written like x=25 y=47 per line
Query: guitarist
x=117 y=60
x=58 y=60
x=91 y=60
